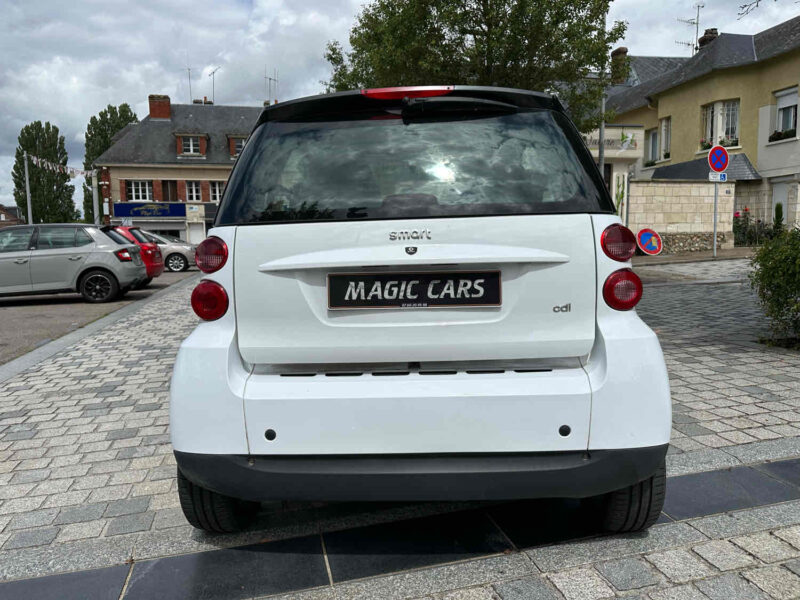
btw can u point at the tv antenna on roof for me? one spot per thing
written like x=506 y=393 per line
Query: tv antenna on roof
x=189 y=70
x=212 y=82
x=696 y=23
x=268 y=84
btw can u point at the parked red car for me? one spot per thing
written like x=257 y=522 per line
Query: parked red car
x=153 y=261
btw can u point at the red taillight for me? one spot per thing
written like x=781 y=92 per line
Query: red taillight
x=209 y=300
x=412 y=91
x=211 y=254
x=618 y=242
x=123 y=255
x=622 y=290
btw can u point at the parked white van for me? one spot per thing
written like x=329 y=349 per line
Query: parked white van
x=418 y=294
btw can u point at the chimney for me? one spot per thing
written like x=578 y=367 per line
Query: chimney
x=619 y=65
x=159 y=106
x=207 y=101
x=709 y=36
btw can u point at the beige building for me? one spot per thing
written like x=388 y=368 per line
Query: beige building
x=740 y=91
x=167 y=172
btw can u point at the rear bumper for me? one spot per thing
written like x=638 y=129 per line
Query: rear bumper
x=154 y=269
x=423 y=477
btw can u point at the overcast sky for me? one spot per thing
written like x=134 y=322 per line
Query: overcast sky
x=65 y=61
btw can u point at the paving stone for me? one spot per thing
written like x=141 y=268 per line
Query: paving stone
x=724 y=555
x=628 y=573
x=527 y=588
x=130 y=523
x=730 y=587
x=581 y=584
x=679 y=565
x=552 y=558
x=778 y=582
x=82 y=513
x=766 y=547
x=750 y=520
x=793 y=566
x=479 y=593
x=790 y=535
x=31 y=537
x=37 y=518
x=79 y=531
x=681 y=592
x=127 y=506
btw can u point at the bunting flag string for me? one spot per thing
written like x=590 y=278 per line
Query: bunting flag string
x=59 y=168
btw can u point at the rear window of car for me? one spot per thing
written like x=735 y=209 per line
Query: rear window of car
x=140 y=237
x=117 y=237
x=380 y=166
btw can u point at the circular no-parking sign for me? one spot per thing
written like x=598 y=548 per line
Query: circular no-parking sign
x=649 y=242
x=718 y=159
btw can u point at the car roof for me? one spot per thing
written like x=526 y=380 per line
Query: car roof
x=358 y=100
x=50 y=225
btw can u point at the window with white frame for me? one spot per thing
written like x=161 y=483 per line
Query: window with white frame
x=666 y=136
x=216 y=190
x=652 y=145
x=190 y=144
x=787 y=110
x=139 y=191
x=730 y=122
x=193 y=193
x=238 y=145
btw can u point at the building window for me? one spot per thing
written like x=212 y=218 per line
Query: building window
x=139 y=191
x=191 y=144
x=787 y=111
x=730 y=120
x=216 y=188
x=652 y=147
x=709 y=131
x=193 y=191
x=666 y=136
x=238 y=146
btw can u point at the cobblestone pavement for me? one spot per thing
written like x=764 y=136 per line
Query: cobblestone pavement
x=87 y=478
x=702 y=271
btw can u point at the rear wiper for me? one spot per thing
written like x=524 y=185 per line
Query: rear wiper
x=455 y=106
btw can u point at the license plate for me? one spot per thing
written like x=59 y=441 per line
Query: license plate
x=414 y=290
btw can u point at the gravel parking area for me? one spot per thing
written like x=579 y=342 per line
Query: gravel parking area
x=87 y=481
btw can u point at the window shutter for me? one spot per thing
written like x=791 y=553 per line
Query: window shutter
x=786 y=98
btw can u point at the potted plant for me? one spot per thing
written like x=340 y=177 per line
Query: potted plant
x=705 y=144
x=666 y=155
x=775 y=136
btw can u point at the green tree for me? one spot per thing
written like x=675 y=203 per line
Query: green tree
x=541 y=45
x=51 y=192
x=99 y=132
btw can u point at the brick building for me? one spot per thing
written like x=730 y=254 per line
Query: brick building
x=167 y=172
x=9 y=215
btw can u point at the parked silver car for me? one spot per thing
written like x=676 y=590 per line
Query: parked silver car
x=48 y=259
x=178 y=254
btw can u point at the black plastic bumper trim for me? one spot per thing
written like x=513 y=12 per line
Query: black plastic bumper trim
x=422 y=477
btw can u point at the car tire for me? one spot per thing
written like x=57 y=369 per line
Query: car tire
x=213 y=512
x=143 y=283
x=98 y=286
x=636 y=507
x=176 y=263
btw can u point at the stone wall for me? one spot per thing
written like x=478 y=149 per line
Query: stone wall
x=682 y=212
x=757 y=197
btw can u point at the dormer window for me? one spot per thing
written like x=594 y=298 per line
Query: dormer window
x=191 y=144
x=238 y=146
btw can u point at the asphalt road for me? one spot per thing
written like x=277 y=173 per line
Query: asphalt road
x=27 y=322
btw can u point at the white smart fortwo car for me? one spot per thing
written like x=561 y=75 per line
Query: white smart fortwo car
x=418 y=294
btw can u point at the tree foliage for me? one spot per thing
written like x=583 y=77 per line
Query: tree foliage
x=99 y=132
x=543 y=45
x=51 y=192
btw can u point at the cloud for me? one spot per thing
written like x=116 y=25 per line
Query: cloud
x=65 y=61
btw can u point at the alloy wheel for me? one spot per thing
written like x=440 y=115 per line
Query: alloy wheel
x=97 y=286
x=176 y=262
